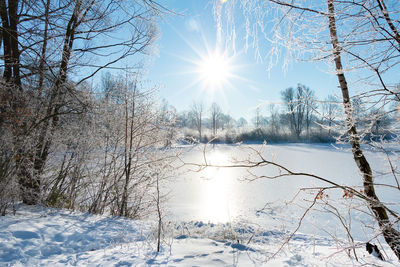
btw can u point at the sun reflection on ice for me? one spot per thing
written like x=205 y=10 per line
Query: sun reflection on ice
x=216 y=204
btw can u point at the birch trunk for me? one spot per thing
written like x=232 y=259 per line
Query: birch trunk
x=391 y=235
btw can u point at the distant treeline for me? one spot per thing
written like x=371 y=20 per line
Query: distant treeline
x=300 y=117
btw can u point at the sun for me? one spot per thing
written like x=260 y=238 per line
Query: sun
x=214 y=70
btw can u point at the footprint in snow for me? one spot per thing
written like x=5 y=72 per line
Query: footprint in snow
x=219 y=261
x=188 y=256
x=295 y=260
x=59 y=237
x=123 y=263
x=25 y=234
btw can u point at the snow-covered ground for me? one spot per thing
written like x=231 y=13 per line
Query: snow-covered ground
x=213 y=219
x=36 y=236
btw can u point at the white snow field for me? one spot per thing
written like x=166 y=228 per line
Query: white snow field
x=36 y=236
x=211 y=220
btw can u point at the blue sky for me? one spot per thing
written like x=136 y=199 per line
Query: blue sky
x=185 y=39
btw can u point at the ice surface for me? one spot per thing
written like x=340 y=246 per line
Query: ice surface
x=221 y=195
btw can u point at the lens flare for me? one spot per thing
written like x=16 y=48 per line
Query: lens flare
x=214 y=70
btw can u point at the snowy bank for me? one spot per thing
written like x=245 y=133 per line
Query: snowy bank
x=47 y=237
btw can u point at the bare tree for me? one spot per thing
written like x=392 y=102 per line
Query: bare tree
x=310 y=106
x=215 y=113
x=355 y=28
x=273 y=119
x=111 y=168
x=242 y=122
x=257 y=117
x=293 y=100
x=391 y=235
x=196 y=115
x=168 y=120
x=227 y=122
x=378 y=123
x=330 y=111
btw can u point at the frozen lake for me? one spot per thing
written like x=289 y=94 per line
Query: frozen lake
x=221 y=195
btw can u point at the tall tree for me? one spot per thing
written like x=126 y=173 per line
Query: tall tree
x=196 y=115
x=242 y=122
x=330 y=110
x=257 y=117
x=215 y=114
x=273 y=119
x=391 y=235
x=344 y=32
x=310 y=105
x=294 y=101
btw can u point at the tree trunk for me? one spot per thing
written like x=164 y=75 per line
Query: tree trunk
x=159 y=213
x=6 y=41
x=129 y=153
x=15 y=54
x=44 y=49
x=49 y=125
x=29 y=185
x=391 y=235
x=10 y=19
x=199 y=128
x=385 y=13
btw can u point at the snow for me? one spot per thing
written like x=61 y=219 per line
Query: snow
x=211 y=219
x=41 y=236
